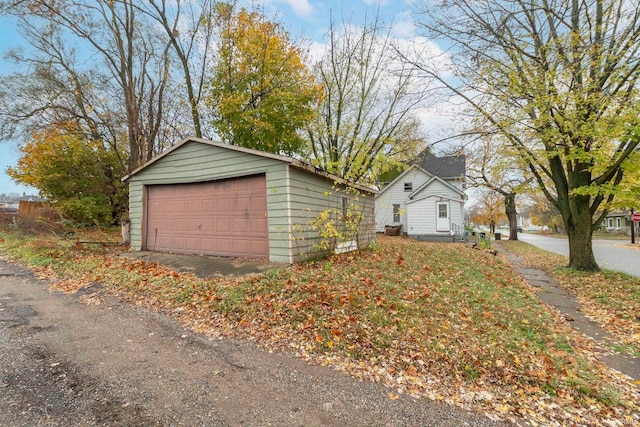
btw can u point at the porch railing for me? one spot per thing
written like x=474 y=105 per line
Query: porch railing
x=458 y=233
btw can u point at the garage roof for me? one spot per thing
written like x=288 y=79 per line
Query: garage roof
x=290 y=160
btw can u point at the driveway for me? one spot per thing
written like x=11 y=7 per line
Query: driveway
x=610 y=254
x=88 y=359
x=206 y=266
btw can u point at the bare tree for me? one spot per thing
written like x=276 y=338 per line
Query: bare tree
x=121 y=67
x=190 y=28
x=367 y=116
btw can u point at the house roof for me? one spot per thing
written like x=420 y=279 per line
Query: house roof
x=436 y=178
x=290 y=160
x=27 y=198
x=399 y=177
x=618 y=213
x=444 y=167
x=433 y=196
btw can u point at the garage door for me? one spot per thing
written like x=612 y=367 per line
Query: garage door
x=227 y=218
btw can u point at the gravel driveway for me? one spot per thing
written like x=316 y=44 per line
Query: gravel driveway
x=88 y=360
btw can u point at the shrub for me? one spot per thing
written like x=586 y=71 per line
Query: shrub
x=88 y=209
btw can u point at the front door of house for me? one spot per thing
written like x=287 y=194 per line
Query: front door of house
x=442 y=216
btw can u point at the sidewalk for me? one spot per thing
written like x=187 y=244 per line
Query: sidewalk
x=551 y=293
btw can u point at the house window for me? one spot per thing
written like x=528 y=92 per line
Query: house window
x=396 y=213
x=408 y=186
x=610 y=222
x=442 y=211
x=618 y=222
x=344 y=205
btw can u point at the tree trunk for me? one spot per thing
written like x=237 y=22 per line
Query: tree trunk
x=510 y=210
x=579 y=231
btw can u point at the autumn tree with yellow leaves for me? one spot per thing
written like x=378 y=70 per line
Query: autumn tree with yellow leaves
x=80 y=175
x=262 y=95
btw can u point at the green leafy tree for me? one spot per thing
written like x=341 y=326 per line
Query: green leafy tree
x=80 y=176
x=558 y=79
x=628 y=192
x=261 y=94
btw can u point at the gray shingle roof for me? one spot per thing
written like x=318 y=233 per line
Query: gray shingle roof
x=444 y=167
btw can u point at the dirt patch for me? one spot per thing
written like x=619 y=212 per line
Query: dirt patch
x=38 y=384
x=207 y=266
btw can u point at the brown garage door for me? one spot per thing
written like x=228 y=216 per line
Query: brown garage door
x=227 y=217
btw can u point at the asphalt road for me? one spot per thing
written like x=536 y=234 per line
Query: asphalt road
x=610 y=254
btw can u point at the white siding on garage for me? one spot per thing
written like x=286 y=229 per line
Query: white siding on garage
x=396 y=194
x=422 y=214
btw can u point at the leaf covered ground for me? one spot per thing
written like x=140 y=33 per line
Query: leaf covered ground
x=439 y=321
x=610 y=298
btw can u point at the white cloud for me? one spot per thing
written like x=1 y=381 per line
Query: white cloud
x=403 y=26
x=301 y=8
x=316 y=51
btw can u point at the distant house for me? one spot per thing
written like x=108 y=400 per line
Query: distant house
x=427 y=199
x=618 y=222
x=28 y=198
x=209 y=198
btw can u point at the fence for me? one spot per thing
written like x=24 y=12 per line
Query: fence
x=30 y=209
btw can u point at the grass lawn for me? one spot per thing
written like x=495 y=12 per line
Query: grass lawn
x=439 y=321
x=610 y=298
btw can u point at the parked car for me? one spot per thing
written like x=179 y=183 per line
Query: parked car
x=519 y=229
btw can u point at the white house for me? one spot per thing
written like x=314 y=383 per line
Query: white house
x=427 y=199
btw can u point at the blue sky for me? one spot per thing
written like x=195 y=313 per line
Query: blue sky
x=312 y=16
x=309 y=18
x=8 y=149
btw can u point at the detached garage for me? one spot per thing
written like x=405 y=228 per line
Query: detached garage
x=208 y=198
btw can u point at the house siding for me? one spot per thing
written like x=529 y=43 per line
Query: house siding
x=197 y=162
x=396 y=194
x=458 y=183
x=295 y=196
x=437 y=188
x=422 y=214
x=310 y=195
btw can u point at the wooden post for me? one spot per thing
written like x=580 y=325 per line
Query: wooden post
x=633 y=229
x=126 y=224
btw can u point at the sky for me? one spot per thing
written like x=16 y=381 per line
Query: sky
x=307 y=18
x=8 y=149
